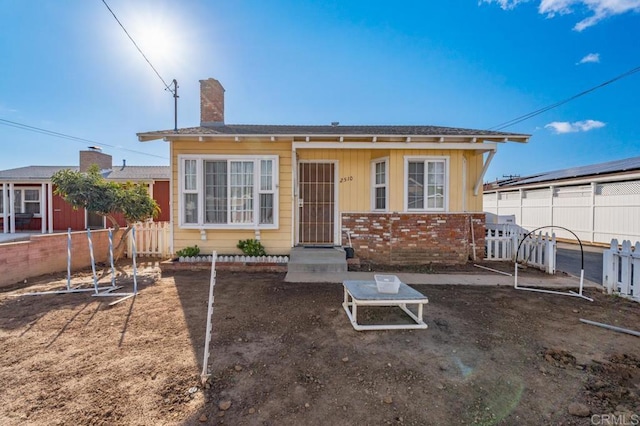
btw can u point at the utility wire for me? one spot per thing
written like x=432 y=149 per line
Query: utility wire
x=166 y=86
x=557 y=104
x=69 y=137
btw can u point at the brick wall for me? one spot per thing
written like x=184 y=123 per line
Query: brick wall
x=87 y=158
x=47 y=253
x=414 y=238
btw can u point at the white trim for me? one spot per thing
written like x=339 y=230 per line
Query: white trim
x=200 y=159
x=294 y=196
x=12 y=217
x=476 y=188
x=484 y=146
x=22 y=198
x=447 y=180
x=307 y=137
x=5 y=210
x=375 y=161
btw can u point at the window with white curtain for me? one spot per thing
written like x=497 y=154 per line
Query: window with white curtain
x=26 y=200
x=228 y=191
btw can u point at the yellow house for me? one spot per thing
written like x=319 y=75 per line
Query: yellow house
x=397 y=194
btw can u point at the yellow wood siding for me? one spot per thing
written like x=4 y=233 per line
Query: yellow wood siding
x=276 y=241
x=353 y=183
x=354 y=176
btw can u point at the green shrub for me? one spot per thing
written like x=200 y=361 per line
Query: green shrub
x=251 y=248
x=189 y=251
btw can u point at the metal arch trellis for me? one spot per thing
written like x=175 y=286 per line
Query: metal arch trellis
x=562 y=293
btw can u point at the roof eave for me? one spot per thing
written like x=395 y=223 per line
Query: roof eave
x=519 y=138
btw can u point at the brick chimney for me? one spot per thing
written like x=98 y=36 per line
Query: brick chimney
x=211 y=103
x=94 y=156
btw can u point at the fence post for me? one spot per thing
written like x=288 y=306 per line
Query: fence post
x=550 y=254
x=608 y=261
x=635 y=264
x=625 y=268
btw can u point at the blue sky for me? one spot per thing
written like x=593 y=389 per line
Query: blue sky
x=68 y=67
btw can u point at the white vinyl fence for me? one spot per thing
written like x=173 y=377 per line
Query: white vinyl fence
x=538 y=250
x=621 y=269
x=152 y=239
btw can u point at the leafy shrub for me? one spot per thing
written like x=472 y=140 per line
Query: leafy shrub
x=251 y=247
x=189 y=251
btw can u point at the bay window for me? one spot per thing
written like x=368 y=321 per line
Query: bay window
x=426 y=183
x=228 y=191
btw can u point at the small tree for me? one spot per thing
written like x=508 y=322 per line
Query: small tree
x=94 y=193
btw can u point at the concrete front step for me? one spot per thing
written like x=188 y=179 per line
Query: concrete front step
x=305 y=259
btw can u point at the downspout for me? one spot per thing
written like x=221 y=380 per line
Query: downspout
x=487 y=162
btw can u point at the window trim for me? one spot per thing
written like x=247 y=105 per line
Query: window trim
x=374 y=162
x=200 y=159
x=23 y=201
x=447 y=181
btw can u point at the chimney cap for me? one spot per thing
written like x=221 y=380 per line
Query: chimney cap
x=95 y=148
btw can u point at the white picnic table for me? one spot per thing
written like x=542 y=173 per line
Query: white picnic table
x=365 y=293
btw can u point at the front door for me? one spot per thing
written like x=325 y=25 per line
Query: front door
x=317 y=202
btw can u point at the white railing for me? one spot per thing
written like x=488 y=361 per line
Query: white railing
x=502 y=240
x=621 y=269
x=152 y=239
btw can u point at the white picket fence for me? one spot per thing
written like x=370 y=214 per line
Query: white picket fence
x=621 y=269
x=538 y=250
x=152 y=239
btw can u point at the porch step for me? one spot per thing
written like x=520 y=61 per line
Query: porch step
x=305 y=259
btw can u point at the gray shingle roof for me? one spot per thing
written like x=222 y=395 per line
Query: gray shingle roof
x=44 y=173
x=300 y=130
x=610 y=167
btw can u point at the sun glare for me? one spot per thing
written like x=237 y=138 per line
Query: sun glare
x=160 y=34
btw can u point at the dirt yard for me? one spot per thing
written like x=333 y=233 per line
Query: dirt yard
x=285 y=354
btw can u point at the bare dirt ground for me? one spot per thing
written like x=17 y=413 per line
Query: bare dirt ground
x=285 y=354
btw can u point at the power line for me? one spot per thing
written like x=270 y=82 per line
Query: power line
x=70 y=137
x=557 y=104
x=166 y=86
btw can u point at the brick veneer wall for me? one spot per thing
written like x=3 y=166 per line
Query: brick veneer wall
x=47 y=253
x=414 y=238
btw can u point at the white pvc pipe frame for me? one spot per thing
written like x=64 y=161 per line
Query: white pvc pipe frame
x=207 y=340
x=561 y=293
x=108 y=292
x=70 y=289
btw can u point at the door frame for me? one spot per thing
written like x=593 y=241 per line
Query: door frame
x=337 y=222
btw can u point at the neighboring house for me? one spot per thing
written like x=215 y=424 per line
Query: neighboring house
x=597 y=202
x=29 y=193
x=401 y=194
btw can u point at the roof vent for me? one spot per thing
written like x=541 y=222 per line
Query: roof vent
x=335 y=123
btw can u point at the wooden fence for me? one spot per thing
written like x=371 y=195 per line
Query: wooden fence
x=152 y=239
x=502 y=240
x=621 y=269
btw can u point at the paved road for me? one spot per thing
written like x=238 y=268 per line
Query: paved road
x=568 y=260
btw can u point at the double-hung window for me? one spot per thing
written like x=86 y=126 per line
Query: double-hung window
x=426 y=183
x=379 y=187
x=228 y=191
